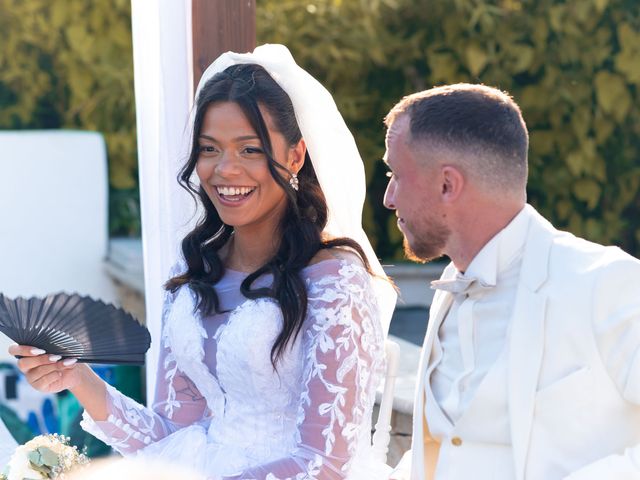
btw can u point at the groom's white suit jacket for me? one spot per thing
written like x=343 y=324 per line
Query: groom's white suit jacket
x=573 y=364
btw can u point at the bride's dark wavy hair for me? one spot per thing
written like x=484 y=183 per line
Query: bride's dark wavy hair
x=301 y=226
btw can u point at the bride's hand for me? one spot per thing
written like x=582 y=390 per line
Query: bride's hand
x=48 y=373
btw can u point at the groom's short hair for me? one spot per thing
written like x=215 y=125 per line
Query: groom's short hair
x=482 y=124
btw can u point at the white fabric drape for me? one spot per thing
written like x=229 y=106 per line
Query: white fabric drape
x=163 y=89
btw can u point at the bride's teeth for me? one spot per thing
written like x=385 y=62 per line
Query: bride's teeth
x=229 y=191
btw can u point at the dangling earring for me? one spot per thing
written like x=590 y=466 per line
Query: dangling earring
x=293 y=181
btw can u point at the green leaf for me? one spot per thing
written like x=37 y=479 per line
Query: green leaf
x=557 y=17
x=35 y=457
x=613 y=95
x=575 y=162
x=564 y=208
x=603 y=128
x=588 y=191
x=524 y=55
x=581 y=122
x=477 y=58
x=593 y=228
x=42 y=469
x=601 y=5
x=542 y=142
x=49 y=457
x=627 y=61
x=443 y=66
x=628 y=36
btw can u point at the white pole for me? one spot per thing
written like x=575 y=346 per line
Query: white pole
x=382 y=435
x=163 y=85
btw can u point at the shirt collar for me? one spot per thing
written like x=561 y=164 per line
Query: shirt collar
x=502 y=250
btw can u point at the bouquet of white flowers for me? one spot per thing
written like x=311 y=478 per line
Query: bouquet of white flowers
x=45 y=456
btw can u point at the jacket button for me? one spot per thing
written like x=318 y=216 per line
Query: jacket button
x=456 y=441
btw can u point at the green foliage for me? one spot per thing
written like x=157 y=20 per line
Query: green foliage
x=68 y=64
x=573 y=66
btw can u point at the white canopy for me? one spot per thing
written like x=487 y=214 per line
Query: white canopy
x=163 y=90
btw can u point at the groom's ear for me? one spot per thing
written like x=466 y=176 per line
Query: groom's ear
x=452 y=183
x=297 y=155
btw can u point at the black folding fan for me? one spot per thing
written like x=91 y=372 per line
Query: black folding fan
x=74 y=326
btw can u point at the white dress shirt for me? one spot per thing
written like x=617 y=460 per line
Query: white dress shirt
x=474 y=331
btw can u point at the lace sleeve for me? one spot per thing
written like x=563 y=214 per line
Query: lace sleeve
x=343 y=364
x=131 y=426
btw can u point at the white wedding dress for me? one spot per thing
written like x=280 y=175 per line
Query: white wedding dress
x=220 y=406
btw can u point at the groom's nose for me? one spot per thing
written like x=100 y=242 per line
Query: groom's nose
x=389 y=195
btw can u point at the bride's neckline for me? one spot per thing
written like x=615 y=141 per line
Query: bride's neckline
x=308 y=267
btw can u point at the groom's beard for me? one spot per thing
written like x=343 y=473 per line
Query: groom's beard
x=428 y=242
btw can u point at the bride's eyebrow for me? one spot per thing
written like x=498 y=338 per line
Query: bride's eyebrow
x=246 y=137
x=237 y=139
x=207 y=137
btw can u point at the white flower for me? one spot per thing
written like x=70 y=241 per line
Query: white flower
x=45 y=456
x=20 y=467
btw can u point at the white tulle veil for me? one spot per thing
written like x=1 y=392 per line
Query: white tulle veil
x=332 y=149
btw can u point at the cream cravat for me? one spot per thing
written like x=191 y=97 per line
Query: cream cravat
x=461 y=284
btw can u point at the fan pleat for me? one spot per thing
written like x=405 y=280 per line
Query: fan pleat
x=43 y=313
x=75 y=326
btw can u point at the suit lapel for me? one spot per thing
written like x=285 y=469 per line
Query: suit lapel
x=442 y=303
x=525 y=356
x=527 y=337
x=439 y=307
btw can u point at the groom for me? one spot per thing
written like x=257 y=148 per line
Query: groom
x=531 y=363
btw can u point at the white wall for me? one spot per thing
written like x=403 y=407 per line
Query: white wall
x=53 y=215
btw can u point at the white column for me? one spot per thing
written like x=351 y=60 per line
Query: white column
x=163 y=90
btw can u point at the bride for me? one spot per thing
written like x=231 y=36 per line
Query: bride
x=274 y=321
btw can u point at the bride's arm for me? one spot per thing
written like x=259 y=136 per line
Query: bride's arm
x=128 y=426
x=109 y=415
x=343 y=365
